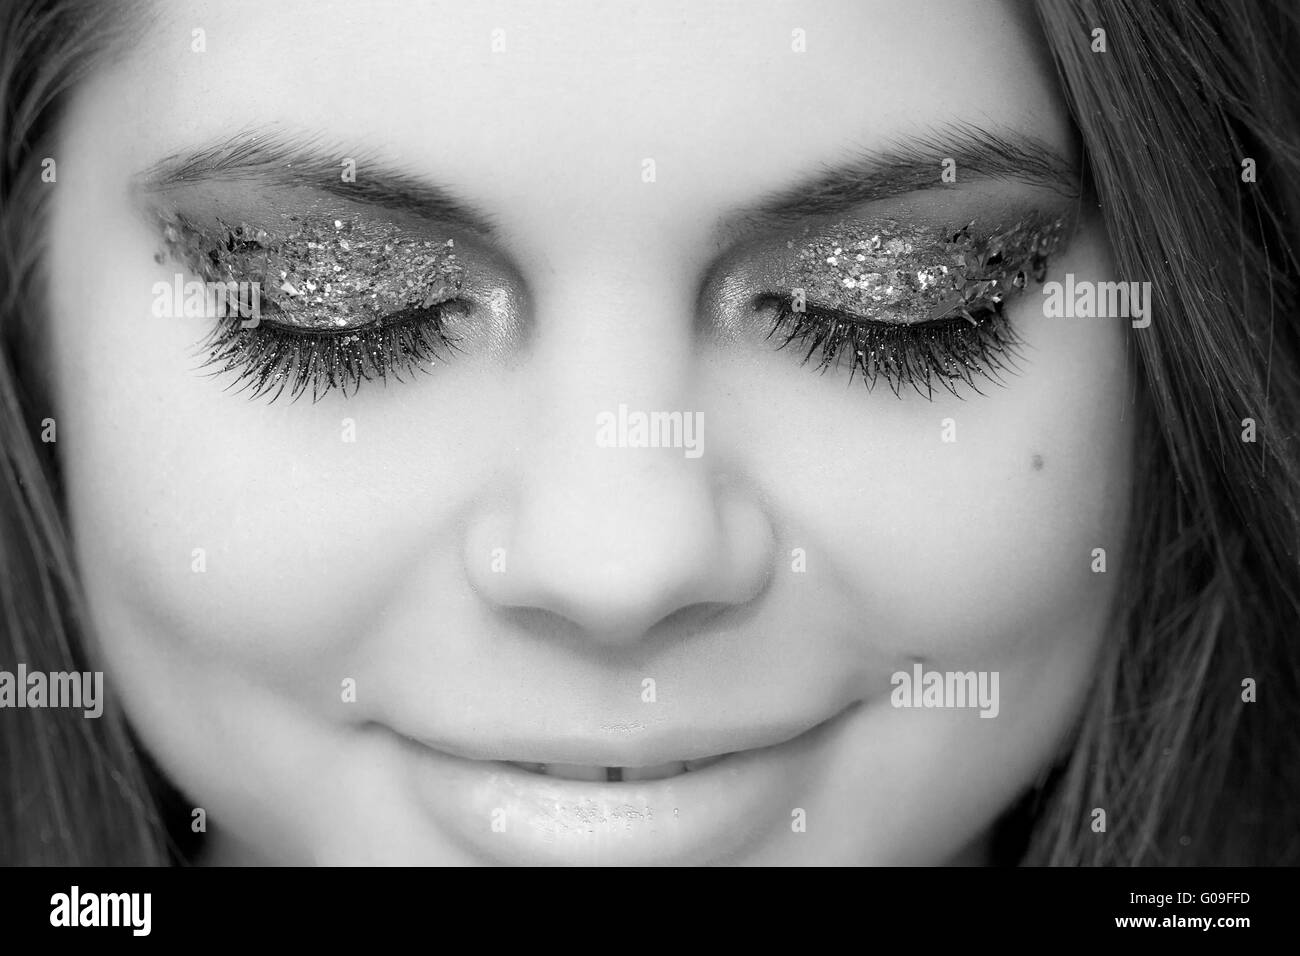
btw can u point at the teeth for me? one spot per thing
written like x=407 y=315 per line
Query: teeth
x=703 y=762
x=672 y=769
x=571 y=771
x=574 y=771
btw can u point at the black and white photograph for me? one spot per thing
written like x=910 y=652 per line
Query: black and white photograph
x=650 y=433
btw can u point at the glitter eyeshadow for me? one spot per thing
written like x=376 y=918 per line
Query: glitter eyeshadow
x=318 y=273
x=897 y=273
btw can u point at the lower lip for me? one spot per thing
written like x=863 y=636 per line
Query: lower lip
x=719 y=814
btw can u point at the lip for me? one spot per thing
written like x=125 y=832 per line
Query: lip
x=639 y=746
x=505 y=814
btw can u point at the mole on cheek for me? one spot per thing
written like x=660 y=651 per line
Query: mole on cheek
x=1037 y=462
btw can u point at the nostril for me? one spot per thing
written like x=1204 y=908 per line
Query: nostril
x=694 y=618
x=541 y=623
x=589 y=621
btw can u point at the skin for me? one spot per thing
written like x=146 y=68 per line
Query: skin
x=371 y=559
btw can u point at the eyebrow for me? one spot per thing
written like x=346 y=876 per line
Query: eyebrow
x=275 y=158
x=279 y=159
x=914 y=165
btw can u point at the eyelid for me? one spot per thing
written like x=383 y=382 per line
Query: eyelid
x=896 y=273
x=315 y=272
x=914 y=305
x=406 y=298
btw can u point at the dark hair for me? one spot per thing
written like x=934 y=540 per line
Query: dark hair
x=1187 y=771
x=74 y=790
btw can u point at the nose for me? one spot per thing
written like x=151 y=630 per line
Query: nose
x=618 y=540
x=603 y=520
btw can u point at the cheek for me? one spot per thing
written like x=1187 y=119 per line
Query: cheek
x=231 y=524
x=956 y=533
x=958 y=530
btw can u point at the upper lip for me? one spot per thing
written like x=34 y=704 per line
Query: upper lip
x=646 y=746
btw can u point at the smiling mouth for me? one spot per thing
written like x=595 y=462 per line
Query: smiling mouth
x=645 y=763
x=599 y=774
x=690 y=792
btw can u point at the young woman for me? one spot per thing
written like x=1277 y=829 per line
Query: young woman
x=842 y=433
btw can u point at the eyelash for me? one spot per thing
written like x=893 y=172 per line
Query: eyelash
x=271 y=359
x=972 y=339
x=947 y=349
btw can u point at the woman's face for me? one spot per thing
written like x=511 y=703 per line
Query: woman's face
x=340 y=625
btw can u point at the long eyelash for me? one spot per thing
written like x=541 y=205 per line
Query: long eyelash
x=957 y=347
x=271 y=360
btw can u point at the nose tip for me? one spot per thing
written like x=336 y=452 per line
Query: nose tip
x=616 y=581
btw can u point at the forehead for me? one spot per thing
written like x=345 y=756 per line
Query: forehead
x=539 y=109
